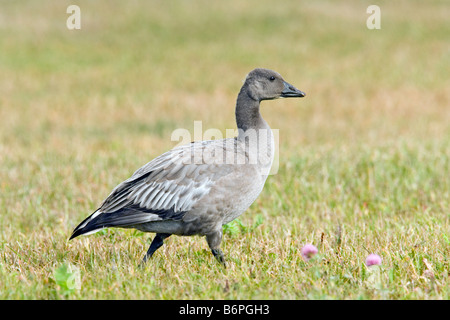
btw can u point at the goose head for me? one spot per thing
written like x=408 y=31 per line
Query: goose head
x=265 y=84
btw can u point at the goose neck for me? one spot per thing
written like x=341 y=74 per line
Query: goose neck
x=247 y=111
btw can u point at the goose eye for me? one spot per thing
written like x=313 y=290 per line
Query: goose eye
x=272 y=78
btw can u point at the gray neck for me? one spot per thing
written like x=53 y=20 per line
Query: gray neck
x=247 y=111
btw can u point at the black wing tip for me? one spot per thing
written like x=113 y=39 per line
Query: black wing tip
x=78 y=231
x=72 y=236
x=75 y=234
x=109 y=220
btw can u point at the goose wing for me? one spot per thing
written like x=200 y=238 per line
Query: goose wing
x=165 y=188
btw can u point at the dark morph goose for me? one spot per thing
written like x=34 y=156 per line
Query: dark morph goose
x=196 y=188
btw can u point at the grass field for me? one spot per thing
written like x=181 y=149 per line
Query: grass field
x=364 y=159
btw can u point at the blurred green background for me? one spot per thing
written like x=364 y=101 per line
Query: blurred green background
x=368 y=148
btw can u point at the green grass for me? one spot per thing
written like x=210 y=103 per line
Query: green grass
x=364 y=158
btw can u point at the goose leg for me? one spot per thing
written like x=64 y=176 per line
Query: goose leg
x=214 y=239
x=157 y=242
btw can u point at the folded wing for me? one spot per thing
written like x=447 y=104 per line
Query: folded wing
x=165 y=188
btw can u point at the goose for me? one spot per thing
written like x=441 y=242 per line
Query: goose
x=195 y=189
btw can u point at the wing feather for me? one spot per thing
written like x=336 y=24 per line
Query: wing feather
x=165 y=188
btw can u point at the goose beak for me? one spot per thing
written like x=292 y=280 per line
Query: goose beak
x=290 y=91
